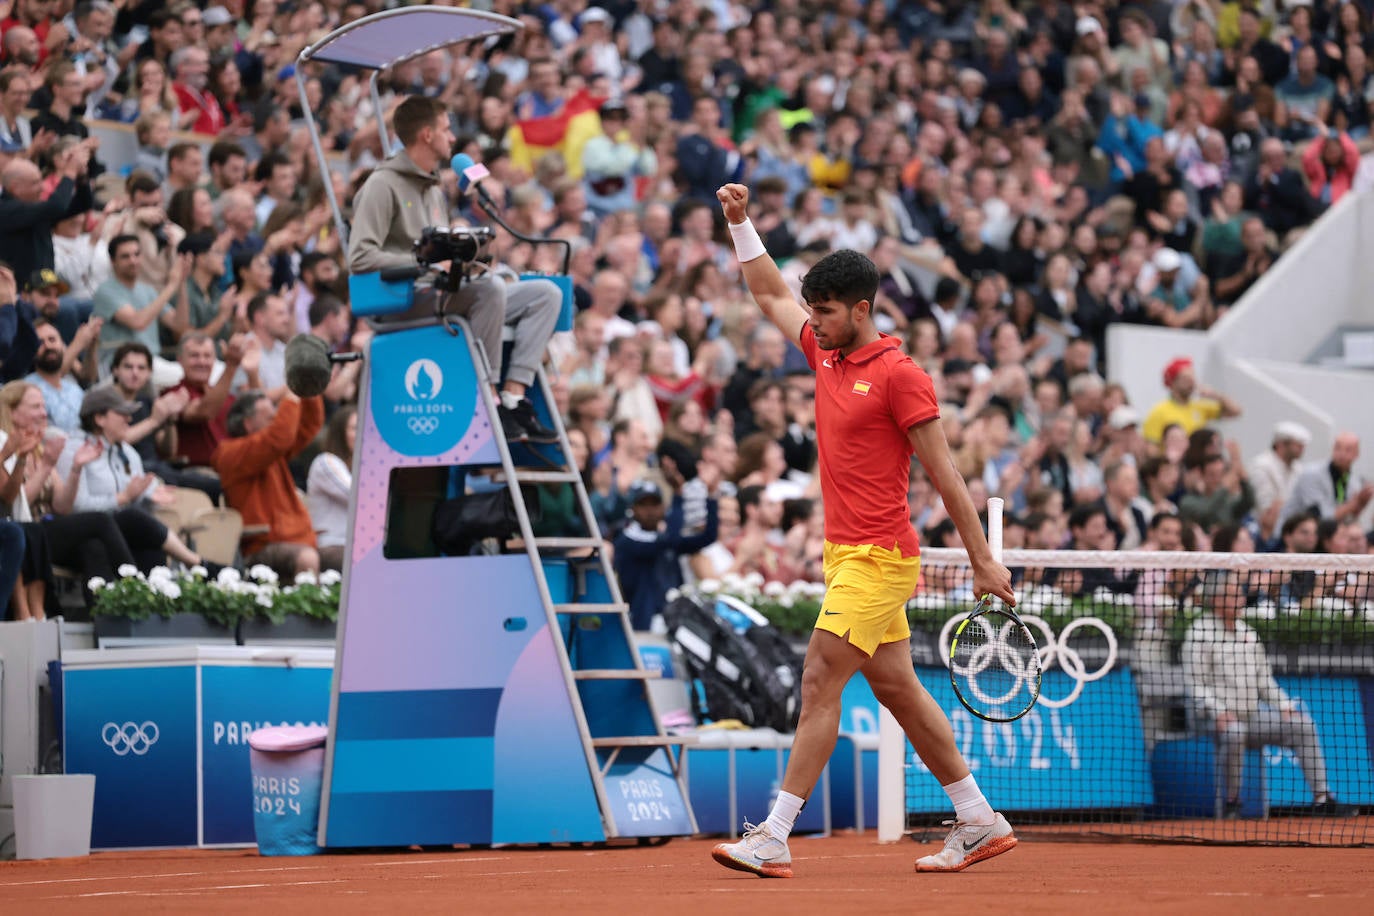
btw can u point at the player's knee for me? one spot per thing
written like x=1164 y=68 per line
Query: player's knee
x=893 y=692
x=821 y=683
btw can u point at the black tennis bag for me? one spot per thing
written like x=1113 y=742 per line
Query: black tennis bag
x=743 y=667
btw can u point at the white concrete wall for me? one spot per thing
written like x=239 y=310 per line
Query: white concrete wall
x=1257 y=353
x=1137 y=355
x=1311 y=290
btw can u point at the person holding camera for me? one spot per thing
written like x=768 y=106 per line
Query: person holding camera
x=400 y=198
x=145 y=218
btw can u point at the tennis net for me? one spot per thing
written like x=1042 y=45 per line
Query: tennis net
x=1186 y=697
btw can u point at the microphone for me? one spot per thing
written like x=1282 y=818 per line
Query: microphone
x=310 y=365
x=470 y=175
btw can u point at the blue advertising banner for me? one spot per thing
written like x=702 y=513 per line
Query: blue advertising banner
x=1339 y=712
x=135 y=729
x=644 y=794
x=1367 y=695
x=1050 y=759
x=236 y=701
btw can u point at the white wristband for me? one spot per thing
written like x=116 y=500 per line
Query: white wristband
x=748 y=245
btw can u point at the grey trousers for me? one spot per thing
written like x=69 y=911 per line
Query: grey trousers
x=529 y=306
x=1268 y=726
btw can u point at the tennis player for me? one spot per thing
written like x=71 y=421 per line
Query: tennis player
x=874 y=407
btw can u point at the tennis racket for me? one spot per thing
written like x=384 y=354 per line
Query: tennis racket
x=994 y=663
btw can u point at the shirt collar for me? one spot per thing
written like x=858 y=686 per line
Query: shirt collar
x=871 y=351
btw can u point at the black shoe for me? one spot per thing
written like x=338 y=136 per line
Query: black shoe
x=1230 y=810
x=1327 y=806
x=212 y=569
x=510 y=426
x=523 y=414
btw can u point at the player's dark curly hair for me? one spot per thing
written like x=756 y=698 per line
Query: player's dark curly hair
x=844 y=276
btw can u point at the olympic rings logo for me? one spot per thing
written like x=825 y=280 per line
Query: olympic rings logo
x=423 y=426
x=1051 y=651
x=129 y=738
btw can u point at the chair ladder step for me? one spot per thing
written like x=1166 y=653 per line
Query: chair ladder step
x=645 y=741
x=591 y=608
x=541 y=476
x=567 y=543
x=615 y=674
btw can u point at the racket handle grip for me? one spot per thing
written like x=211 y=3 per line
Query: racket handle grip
x=995 y=527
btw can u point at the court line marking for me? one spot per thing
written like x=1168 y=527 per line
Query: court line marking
x=191 y=890
x=456 y=858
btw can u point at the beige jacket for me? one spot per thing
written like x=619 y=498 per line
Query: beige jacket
x=397 y=201
x=1228 y=670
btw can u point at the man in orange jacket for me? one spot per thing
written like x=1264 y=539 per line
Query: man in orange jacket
x=252 y=466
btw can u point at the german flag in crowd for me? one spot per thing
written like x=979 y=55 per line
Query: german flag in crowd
x=566 y=133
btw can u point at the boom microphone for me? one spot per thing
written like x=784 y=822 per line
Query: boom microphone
x=308 y=366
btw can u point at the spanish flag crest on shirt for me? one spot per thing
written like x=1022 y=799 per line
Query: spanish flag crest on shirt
x=862 y=387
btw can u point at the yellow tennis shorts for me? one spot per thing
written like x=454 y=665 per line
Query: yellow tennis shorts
x=866 y=591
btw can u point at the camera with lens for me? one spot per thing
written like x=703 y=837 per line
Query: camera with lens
x=461 y=245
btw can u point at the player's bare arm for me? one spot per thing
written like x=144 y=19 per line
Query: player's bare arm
x=760 y=272
x=989 y=576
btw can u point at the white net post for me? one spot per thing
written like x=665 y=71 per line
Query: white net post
x=891 y=778
x=995 y=527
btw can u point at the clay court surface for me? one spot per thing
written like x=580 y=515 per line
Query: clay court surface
x=835 y=875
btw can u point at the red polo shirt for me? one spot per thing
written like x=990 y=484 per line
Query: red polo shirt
x=865 y=403
x=211 y=118
x=197 y=441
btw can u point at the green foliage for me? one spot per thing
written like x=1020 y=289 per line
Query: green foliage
x=796 y=619
x=305 y=599
x=135 y=597
x=223 y=601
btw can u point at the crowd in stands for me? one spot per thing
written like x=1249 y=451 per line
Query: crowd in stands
x=1023 y=174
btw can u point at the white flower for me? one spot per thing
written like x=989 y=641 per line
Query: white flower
x=732 y=582
x=96 y=583
x=160 y=574
x=305 y=578
x=127 y=569
x=672 y=595
x=775 y=589
x=199 y=571
x=786 y=601
x=928 y=601
x=228 y=577
x=262 y=573
x=168 y=589
x=264 y=599
x=709 y=586
x=754 y=580
x=330 y=577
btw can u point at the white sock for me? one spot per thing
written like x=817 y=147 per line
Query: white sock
x=509 y=401
x=969 y=804
x=784 y=815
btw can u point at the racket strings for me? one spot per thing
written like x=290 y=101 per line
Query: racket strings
x=995 y=664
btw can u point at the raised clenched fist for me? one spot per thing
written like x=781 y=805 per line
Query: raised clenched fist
x=734 y=200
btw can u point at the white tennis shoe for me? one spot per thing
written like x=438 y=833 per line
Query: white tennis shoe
x=969 y=843
x=758 y=851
